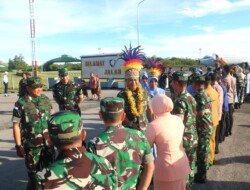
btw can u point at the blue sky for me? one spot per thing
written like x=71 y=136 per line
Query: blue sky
x=167 y=28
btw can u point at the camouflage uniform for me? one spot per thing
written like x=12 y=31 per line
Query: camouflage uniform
x=22 y=88
x=67 y=95
x=204 y=126
x=126 y=149
x=32 y=114
x=74 y=168
x=142 y=120
x=185 y=105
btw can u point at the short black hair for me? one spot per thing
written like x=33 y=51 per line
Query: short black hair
x=226 y=68
x=111 y=117
x=65 y=142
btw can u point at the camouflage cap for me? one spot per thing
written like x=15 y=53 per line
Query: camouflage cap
x=63 y=72
x=64 y=125
x=112 y=105
x=198 y=77
x=180 y=76
x=35 y=82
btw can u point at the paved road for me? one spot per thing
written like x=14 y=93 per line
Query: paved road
x=231 y=171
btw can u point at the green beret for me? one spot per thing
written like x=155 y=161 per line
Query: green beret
x=35 y=82
x=112 y=105
x=63 y=72
x=197 y=77
x=180 y=76
x=64 y=125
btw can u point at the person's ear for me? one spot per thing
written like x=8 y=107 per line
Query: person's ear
x=100 y=115
x=123 y=116
x=83 y=134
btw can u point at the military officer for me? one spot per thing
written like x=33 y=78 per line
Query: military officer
x=67 y=94
x=30 y=128
x=204 y=126
x=185 y=108
x=22 y=86
x=127 y=149
x=74 y=167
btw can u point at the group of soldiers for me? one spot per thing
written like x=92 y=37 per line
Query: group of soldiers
x=120 y=157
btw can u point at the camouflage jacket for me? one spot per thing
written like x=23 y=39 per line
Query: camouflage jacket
x=77 y=169
x=33 y=114
x=22 y=88
x=185 y=105
x=142 y=120
x=67 y=95
x=204 y=124
x=126 y=149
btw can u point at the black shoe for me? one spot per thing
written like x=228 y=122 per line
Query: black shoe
x=200 y=178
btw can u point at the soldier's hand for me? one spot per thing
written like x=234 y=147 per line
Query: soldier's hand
x=20 y=151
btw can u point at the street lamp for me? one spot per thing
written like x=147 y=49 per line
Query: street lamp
x=138 y=36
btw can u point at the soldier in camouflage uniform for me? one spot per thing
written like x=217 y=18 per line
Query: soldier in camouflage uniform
x=185 y=108
x=137 y=110
x=30 y=128
x=22 y=86
x=204 y=126
x=74 y=167
x=67 y=94
x=127 y=150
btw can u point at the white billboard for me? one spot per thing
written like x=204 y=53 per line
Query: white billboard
x=105 y=65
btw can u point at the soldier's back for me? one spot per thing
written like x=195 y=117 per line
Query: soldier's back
x=125 y=149
x=77 y=169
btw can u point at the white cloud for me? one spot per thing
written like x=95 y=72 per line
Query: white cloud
x=204 y=28
x=229 y=42
x=203 y=8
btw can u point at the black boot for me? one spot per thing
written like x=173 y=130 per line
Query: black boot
x=200 y=178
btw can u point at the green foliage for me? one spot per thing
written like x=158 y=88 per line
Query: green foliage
x=69 y=66
x=18 y=63
x=177 y=62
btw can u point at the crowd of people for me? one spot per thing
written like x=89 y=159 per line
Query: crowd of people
x=149 y=137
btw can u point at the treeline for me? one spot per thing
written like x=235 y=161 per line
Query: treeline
x=19 y=64
x=70 y=66
x=177 y=62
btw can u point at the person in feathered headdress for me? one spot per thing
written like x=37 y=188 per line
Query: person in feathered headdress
x=154 y=69
x=136 y=98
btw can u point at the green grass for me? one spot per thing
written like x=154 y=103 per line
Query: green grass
x=14 y=79
x=13 y=83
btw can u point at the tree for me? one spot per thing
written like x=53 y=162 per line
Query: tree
x=18 y=63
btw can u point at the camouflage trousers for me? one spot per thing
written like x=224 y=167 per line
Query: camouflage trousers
x=38 y=158
x=241 y=94
x=35 y=160
x=190 y=145
x=203 y=153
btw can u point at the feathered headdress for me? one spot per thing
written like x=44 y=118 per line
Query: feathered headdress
x=133 y=61
x=154 y=68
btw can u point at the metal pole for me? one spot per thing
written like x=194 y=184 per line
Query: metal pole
x=200 y=56
x=138 y=35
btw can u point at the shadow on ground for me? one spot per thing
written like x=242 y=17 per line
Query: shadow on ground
x=236 y=159
x=222 y=185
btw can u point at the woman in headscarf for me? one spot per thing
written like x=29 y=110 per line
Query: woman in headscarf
x=166 y=131
x=154 y=69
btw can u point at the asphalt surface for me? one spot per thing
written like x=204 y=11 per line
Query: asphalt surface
x=230 y=172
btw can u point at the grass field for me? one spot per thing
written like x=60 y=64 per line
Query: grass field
x=13 y=83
